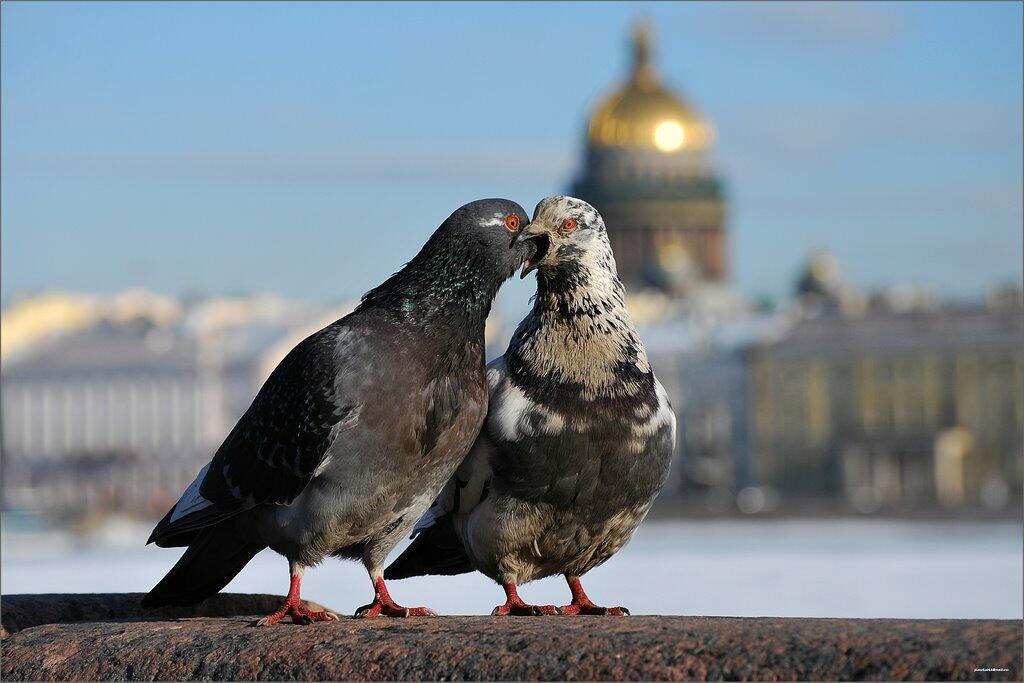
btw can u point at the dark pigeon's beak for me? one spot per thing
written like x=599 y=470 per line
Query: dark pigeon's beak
x=516 y=238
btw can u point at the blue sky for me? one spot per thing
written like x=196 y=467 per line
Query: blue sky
x=311 y=148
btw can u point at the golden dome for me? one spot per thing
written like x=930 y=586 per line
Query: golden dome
x=642 y=114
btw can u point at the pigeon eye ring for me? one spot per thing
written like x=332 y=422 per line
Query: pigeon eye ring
x=512 y=222
x=569 y=225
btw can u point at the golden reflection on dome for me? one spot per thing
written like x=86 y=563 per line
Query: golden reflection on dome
x=642 y=114
x=669 y=136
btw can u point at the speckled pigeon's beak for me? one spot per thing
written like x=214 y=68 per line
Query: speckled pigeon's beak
x=537 y=242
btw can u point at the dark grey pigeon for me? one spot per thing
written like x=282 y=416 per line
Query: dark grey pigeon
x=578 y=436
x=357 y=430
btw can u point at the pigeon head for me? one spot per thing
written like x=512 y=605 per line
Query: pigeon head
x=474 y=251
x=482 y=233
x=459 y=270
x=566 y=236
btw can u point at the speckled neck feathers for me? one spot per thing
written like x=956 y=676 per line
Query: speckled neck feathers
x=579 y=336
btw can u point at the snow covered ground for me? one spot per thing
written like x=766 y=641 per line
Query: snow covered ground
x=830 y=568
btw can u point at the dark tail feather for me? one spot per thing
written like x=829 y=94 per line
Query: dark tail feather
x=185 y=530
x=162 y=539
x=435 y=550
x=214 y=558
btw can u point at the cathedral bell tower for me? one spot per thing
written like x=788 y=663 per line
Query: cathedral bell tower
x=646 y=169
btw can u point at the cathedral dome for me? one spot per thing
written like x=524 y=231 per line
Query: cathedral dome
x=643 y=114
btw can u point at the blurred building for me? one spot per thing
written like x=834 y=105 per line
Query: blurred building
x=647 y=171
x=35 y=319
x=702 y=366
x=108 y=405
x=894 y=406
x=892 y=402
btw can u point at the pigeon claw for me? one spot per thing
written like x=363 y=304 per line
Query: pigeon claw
x=516 y=607
x=378 y=608
x=523 y=610
x=294 y=608
x=581 y=604
x=384 y=606
x=299 y=613
x=576 y=608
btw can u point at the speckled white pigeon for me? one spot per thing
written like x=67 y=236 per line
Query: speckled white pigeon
x=578 y=437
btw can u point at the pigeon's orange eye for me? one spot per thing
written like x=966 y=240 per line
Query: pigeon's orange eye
x=569 y=225
x=512 y=222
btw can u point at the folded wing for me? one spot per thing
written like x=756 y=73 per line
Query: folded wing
x=281 y=441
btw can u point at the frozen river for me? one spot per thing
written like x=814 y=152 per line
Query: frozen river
x=855 y=568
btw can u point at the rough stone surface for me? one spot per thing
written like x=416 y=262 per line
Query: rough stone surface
x=19 y=612
x=513 y=648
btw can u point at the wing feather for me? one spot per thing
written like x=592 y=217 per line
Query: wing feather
x=281 y=441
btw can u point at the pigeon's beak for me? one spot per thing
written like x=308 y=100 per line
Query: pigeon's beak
x=537 y=244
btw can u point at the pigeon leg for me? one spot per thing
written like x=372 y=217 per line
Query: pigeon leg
x=515 y=606
x=581 y=604
x=293 y=606
x=384 y=606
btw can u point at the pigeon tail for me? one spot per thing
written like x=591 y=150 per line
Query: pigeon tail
x=436 y=549
x=215 y=557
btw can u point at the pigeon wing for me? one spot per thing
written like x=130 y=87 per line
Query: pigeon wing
x=280 y=442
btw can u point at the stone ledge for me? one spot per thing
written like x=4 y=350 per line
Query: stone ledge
x=486 y=648
x=24 y=611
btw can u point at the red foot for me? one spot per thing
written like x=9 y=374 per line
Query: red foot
x=294 y=608
x=575 y=608
x=514 y=606
x=384 y=606
x=299 y=613
x=581 y=604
